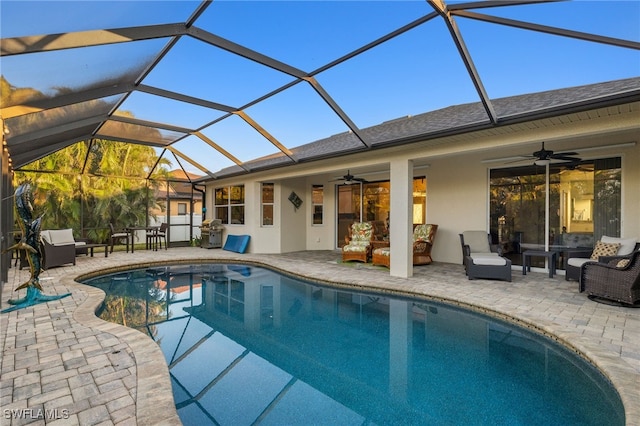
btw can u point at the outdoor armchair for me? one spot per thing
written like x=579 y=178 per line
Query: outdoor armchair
x=603 y=252
x=617 y=280
x=423 y=237
x=358 y=246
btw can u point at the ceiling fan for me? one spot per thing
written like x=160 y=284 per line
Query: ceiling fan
x=545 y=156
x=349 y=179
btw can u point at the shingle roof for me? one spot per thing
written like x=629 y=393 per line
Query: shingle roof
x=458 y=119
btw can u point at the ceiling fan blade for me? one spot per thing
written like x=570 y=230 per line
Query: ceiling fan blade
x=566 y=158
x=521 y=159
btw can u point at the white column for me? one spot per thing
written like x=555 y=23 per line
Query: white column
x=401 y=218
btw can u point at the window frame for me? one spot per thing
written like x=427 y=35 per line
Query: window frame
x=226 y=207
x=263 y=204
x=315 y=205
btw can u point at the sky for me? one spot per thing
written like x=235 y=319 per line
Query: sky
x=416 y=72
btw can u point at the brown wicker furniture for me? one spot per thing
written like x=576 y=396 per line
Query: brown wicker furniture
x=423 y=237
x=618 y=280
x=381 y=253
x=358 y=246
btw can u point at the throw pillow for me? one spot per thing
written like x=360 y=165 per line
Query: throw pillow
x=623 y=263
x=604 y=249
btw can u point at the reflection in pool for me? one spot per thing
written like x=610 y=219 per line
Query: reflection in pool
x=247 y=345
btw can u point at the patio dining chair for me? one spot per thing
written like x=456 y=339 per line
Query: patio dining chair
x=155 y=236
x=116 y=237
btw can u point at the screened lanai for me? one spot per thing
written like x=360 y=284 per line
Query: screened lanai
x=209 y=85
x=227 y=88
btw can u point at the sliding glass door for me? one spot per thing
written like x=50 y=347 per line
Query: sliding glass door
x=583 y=204
x=370 y=202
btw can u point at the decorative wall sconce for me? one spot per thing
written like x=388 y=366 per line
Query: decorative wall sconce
x=295 y=200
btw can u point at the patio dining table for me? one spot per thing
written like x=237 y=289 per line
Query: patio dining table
x=132 y=232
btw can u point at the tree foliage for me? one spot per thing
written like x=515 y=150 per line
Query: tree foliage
x=87 y=186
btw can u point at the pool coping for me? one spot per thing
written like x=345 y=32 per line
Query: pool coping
x=154 y=385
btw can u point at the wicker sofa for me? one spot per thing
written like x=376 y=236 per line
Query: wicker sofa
x=59 y=247
x=617 y=280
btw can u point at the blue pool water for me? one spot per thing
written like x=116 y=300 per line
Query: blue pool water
x=246 y=345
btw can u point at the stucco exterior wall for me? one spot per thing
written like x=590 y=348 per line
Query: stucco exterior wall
x=457 y=175
x=457 y=200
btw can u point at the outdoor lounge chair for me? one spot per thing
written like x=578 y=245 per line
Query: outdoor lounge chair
x=477 y=243
x=617 y=280
x=577 y=258
x=358 y=246
x=482 y=259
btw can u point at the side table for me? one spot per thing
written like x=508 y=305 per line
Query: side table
x=552 y=256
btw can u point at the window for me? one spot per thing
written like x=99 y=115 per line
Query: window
x=317 y=204
x=229 y=204
x=182 y=209
x=267 y=204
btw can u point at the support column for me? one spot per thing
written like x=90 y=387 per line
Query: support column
x=401 y=218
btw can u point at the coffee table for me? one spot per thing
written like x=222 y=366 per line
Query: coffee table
x=92 y=246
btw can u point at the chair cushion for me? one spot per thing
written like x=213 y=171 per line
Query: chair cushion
x=480 y=254
x=604 y=249
x=488 y=260
x=421 y=233
x=361 y=232
x=578 y=261
x=626 y=244
x=383 y=251
x=477 y=241
x=355 y=247
x=61 y=236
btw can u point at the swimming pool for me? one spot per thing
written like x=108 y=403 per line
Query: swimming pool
x=245 y=344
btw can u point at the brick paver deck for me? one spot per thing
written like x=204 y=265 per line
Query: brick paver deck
x=62 y=365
